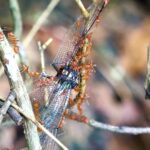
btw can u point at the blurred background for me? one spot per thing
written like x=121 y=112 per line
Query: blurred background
x=115 y=91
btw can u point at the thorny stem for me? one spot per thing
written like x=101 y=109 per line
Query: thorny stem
x=40 y=22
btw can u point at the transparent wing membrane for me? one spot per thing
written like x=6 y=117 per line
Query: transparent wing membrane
x=75 y=35
x=52 y=116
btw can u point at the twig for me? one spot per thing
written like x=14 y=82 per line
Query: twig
x=47 y=43
x=42 y=48
x=16 y=16
x=1 y=70
x=94 y=1
x=11 y=97
x=121 y=129
x=42 y=56
x=18 y=28
x=40 y=22
x=41 y=127
x=147 y=80
x=95 y=124
x=16 y=82
x=82 y=8
x=13 y=114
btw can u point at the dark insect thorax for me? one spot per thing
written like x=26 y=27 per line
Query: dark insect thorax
x=70 y=76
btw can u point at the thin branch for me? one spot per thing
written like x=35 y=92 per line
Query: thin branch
x=47 y=43
x=42 y=48
x=121 y=129
x=18 y=28
x=94 y=1
x=16 y=83
x=147 y=80
x=42 y=56
x=1 y=70
x=82 y=8
x=40 y=22
x=16 y=16
x=41 y=127
x=11 y=97
x=93 y=123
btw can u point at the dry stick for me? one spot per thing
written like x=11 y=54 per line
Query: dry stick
x=41 y=56
x=92 y=123
x=42 y=48
x=1 y=70
x=111 y=128
x=82 y=8
x=13 y=114
x=94 y=1
x=21 y=111
x=11 y=97
x=40 y=22
x=16 y=82
x=47 y=43
x=13 y=74
x=121 y=129
x=147 y=80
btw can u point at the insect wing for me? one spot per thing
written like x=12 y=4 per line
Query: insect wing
x=74 y=37
x=53 y=113
x=41 y=91
x=52 y=116
x=48 y=143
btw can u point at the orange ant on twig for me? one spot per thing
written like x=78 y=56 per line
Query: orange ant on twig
x=12 y=39
x=25 y=69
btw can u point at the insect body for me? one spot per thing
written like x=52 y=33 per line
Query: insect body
x=67 y=80
x=25 y=69
x=68 y=76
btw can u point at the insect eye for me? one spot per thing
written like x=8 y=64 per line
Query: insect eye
x=70 y=75
x=65 y=72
